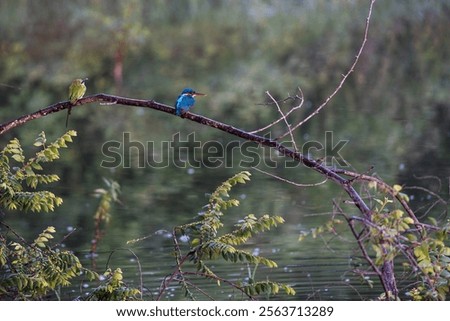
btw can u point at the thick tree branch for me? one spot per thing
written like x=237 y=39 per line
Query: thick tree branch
x=283 y=150
x=108 y=99
x=386 y=187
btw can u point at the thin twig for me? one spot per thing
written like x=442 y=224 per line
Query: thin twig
x=288 y=181
x=360 y=239
x=429 y=177
x=283 y=116
x=64 y=238
x=178 y=256
x=141 y=281
x=184 y=280
x=350 y=223
x=302 y=100
x=171 y=276
x=289 y=97
x=18 y=236
x=217 y=278
x=344 y=77
x=385 y=186
x=440 y=199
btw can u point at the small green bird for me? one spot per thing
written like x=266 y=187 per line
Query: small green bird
x=77 y=89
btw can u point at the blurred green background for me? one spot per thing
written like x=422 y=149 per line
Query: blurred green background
x=393 y=111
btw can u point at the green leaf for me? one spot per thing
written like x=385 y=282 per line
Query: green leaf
x=432 y=220
x=404 y=197
x=397 y=214
x=40 y=244
x=36 y=166
x=408 y=220
x=195 y=242
x=18 y=158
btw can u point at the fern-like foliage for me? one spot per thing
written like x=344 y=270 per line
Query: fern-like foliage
x=107 y=197
x=114 y=289
x=18 y=182
x=267 y=287
x=103 y=212
x=30 y=271
x=207 y=244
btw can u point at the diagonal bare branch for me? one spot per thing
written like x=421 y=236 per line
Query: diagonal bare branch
x=283 y=116
x=301 y=97
x=344 y=77
x=289 y=181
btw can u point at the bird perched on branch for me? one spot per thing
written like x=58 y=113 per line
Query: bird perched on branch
x=186 y=100
x=77 y=89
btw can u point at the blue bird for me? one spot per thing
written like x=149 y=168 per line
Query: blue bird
x=186 y=100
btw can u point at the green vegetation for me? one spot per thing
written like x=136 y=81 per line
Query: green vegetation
x=394 y=111
x=207 y=245
x=389 y=236
x=424 y=250
x=114 y=289
x=12 y=193
x=31 y=271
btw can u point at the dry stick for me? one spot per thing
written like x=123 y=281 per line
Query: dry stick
x=178 y=256
x=288 y=181
x=172 y=276
x=344 y=77
x=388 y=188
x=197 y=288
x=141 y=280
x=9 y=228
x=433 y=177
x=217 y=278
x=302 y=100
x=367 y=256
x=285 y=120
x=180 y=261
x=439 y=199
x=64 y=238
x=357 y=236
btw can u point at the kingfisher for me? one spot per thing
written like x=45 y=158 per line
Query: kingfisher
x=77 y=89
x=186 y=100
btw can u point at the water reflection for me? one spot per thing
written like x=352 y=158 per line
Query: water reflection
x=154 y=201
x=318 y=277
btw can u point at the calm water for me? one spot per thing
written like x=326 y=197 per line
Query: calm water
x=315 y=273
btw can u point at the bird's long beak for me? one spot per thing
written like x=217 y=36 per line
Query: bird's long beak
x=199 y=94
